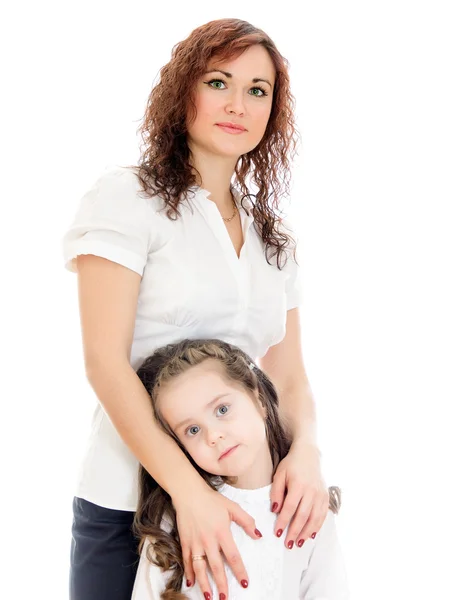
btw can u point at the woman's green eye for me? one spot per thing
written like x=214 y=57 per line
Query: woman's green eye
x=218 y=84
x=215 y=83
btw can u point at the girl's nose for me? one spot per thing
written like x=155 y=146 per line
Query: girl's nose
x=214 y=437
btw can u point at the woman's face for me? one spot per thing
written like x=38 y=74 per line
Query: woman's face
x=210 y=416
x=240 y=92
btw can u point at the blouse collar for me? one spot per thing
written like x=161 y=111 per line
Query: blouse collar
x=242 y=202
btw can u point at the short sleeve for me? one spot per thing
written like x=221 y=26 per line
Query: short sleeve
x=112 y=221
x=325 y=578
x=294 y=290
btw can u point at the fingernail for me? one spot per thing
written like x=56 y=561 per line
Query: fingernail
x=300 y=543
x=222 y=597
x=313 y=535
x=207 y=596
x=188 y=583
x=244 y=583
x=279 y=532
x=290 y=544
x=274 y=506
x=258 y=533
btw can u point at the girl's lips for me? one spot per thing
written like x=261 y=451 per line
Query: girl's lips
x=228 y=452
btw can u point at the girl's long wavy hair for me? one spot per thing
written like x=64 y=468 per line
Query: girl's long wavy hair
x=155 y=508
x=165 y=168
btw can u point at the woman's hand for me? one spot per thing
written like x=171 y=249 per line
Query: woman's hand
x=203 y=519
x=299 y=494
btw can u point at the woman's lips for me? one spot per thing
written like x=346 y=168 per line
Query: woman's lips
x=228 y=452
x=230 y=129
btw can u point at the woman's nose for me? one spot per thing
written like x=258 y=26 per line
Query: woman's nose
x=235 y=104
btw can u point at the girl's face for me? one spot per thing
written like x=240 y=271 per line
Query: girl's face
x=220 y=425
x=240 y=92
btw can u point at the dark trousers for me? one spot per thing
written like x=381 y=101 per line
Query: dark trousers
x=103 y=557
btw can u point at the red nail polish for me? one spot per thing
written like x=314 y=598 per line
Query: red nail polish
x=258 y=533
x=279 y=532
x=222 y=597
x=207 y=596
x=290 y=544
x=274 y=506
x=313 y=535
x=244 y=583
x=300 y=543
x=188 y=583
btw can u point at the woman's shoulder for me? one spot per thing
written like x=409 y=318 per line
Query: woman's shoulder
x=121 y=179
x=119 y=188
x=113 y=220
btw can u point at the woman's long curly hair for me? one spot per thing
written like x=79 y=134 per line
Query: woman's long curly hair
x=164 y=167
x=155 y=508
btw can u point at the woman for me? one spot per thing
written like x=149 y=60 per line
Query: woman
x=223 y=412
x=169 y=250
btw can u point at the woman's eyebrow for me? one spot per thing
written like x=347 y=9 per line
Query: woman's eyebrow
x=229 y=75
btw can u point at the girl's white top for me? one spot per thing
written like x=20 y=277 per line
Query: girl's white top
x=316 y=571
x=193 y=286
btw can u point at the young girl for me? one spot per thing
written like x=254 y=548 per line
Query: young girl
x=222 y=410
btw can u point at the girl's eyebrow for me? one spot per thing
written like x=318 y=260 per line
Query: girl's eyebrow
x=190 y=419
x=229 y=75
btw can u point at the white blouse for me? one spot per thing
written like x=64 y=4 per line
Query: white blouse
x=316 y=571
x=193 y=286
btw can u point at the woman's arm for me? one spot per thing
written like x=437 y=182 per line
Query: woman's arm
x=284 y=364
x=108 y=295
x=305 y=506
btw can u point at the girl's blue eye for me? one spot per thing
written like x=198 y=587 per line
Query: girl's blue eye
x=193 y=430
x=222 y=410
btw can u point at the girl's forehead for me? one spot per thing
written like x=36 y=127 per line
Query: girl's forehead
x=201 y=379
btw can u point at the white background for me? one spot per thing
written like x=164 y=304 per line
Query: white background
x=370 y=202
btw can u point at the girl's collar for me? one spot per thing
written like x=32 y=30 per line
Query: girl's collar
x=256 y=496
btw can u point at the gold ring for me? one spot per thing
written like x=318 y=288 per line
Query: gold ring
x=199 y=557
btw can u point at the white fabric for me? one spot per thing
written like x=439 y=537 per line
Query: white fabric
x=316 y=571
x=193 y=286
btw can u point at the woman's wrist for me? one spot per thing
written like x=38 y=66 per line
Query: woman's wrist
x=188 y=479
x=305 y=440
x=304 y=432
